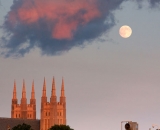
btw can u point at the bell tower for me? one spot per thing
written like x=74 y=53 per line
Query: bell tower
x=53 y=112
x=23 y=110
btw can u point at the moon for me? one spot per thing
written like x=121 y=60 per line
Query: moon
x=125 y=31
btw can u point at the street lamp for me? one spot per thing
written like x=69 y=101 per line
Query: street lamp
x=130 y=125
x=124 y=122
x=154 y=125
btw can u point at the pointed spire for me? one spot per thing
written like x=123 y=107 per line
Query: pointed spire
x=44 y=88
x=33 y=100
x=24 y=90
x=53 y=88
x=14 y=83
x=62 y=97
x=62 y=89
x=33 y=92
x=14 y=91
x=33 y=86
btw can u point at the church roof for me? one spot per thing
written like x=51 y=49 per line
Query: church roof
x=5 y=123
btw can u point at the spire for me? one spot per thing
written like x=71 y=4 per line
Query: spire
x=53 y=88
x=62 y=89
x=44 y=88
x=33 y=92
x=14 y=91
x=23 y=102
x=24 y=90
x=62 y=97
x=53 y=98
x=33 y=100
x=44 y=98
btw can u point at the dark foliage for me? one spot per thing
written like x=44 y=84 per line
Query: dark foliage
x=61 y=127
x=22 y=127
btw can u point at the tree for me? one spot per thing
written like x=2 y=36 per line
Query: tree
x=22 y=127
x=60 y=127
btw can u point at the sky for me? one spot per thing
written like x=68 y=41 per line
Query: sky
x=108 y=79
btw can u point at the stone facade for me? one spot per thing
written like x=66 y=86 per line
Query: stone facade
x=51 y=113
x=23 y=110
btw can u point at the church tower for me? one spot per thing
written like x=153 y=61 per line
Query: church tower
x=23 y=110
x=53 y=112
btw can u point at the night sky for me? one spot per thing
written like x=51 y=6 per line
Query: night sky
x=108 y=79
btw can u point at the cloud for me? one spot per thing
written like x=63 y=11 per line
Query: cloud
x=154 y=3
x=55 y=26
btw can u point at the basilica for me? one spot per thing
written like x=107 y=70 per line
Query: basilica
x=51 y=113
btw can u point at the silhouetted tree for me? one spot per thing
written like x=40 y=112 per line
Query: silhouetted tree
x=22 y=127
x=60 y=127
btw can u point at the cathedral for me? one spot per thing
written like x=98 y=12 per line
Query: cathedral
x=51 y=113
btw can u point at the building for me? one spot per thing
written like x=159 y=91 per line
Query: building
x=23 y=110
x=51 y=112
x=9 y=123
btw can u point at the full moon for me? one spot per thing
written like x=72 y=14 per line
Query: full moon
x=125 y=31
